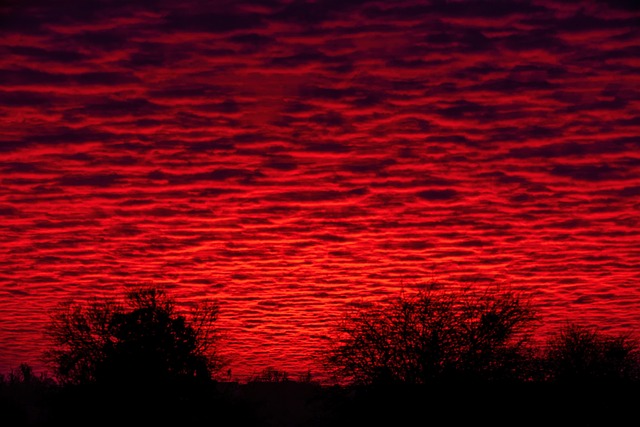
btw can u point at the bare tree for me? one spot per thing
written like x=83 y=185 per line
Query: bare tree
x=430 y=336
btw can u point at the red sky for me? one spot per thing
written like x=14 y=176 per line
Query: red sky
x=292 y=158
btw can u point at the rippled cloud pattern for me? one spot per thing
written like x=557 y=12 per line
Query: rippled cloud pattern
x=293 y=158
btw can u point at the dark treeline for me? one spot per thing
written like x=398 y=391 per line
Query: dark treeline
x=428 y=357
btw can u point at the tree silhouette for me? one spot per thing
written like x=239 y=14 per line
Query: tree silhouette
x=582 y=355
x=432 y=336
x=142 y=340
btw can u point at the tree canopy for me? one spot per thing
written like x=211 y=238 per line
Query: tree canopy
x=141 y=338
x=582 y=354
x=431 y=336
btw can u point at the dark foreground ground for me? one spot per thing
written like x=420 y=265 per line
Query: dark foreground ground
x=299 y=404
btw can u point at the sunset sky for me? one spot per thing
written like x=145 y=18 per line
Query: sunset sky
x=291 y=158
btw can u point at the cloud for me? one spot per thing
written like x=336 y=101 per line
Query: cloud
x=303 y=196
x=317 y=153
x=95 y=180
x=212 y=22
x=439 y=194
x=586 y=172
x=281 y=162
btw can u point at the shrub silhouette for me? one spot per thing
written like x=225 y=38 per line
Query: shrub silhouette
x=581 y=355
x=434 y=336
x=24 y=396
x=270 y=375
x=141 y=340
x=138 y=359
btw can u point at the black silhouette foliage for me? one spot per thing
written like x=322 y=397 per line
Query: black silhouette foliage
x=582 y=355
x=142 y=340
x=24 y=396
x=434 y=356
x=435 y=336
